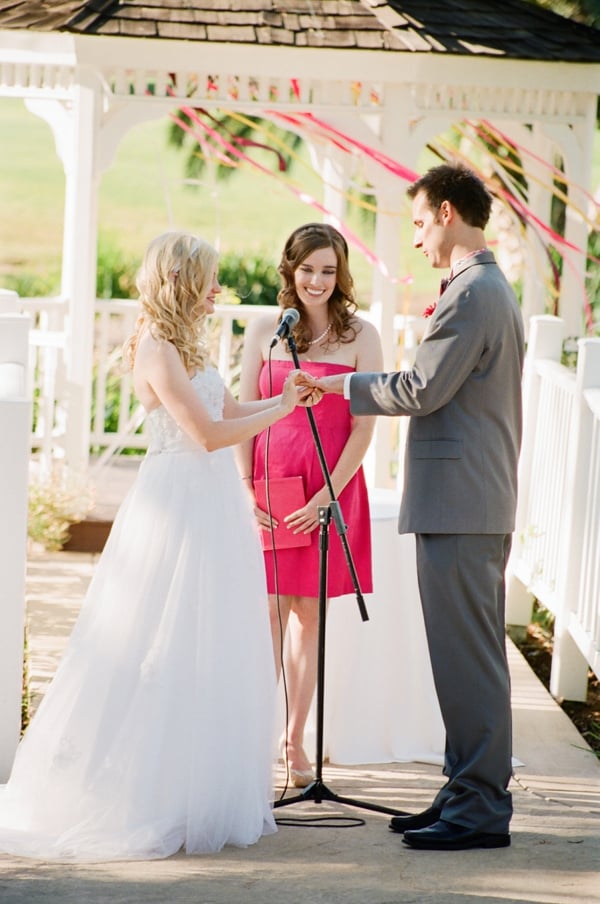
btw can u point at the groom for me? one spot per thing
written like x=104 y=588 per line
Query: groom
x=463 y=396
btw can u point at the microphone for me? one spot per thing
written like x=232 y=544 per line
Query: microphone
x=290 y=319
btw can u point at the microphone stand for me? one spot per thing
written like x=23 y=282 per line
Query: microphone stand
x=317 y=791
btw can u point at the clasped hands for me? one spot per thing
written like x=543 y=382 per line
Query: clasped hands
x=311 y=391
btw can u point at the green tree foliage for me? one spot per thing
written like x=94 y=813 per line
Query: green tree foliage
x=251 y=278
x=585 y=11
x=115 y=272
x=33 y=285
x=593 y=278
x=244 y=135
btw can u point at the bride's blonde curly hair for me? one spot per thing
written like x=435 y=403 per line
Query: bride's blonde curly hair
x=175 y=277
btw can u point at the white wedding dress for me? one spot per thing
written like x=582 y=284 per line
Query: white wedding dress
x=157 y=732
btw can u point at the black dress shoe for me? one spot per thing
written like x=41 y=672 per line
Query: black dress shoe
x=447 y=836
x=416 y=821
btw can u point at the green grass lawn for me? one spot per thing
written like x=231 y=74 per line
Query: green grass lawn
x=144 y=193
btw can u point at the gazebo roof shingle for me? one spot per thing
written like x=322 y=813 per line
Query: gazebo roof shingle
x=513 y=29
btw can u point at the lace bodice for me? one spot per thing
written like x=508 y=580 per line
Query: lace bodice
x=166 y=435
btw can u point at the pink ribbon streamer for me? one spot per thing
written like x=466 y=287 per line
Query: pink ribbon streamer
x=398 y=169
x=350 y=236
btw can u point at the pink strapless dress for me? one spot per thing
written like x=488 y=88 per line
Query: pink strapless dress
x=292 y=452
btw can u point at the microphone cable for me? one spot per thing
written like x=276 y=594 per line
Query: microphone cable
x=276 y=582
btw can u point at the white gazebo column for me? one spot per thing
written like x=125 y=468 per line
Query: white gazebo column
x=578 y=168
x=389 y=192
x=15 y=428
x=335 y=169
x=390 y=197
x=536 y=300
x=79 y=265
x=95 y=136
x=402 y=143
x=575 y=144
x=76 y=130
x=76 y=127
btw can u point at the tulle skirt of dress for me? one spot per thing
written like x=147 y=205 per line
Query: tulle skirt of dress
x=156 y=734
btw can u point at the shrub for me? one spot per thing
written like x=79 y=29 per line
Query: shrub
x=56 y=501
x=593 y=278
x=32 y=285
x=115 y=272
x=252 y=278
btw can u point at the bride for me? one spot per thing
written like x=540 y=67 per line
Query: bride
x=156 y=733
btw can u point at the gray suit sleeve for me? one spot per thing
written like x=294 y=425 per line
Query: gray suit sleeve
x=446 y=357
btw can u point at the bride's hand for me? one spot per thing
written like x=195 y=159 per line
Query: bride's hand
x=310 y=397
x=310 y=393
x=296 y=391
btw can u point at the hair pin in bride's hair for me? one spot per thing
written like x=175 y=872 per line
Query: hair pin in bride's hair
x=195 y=247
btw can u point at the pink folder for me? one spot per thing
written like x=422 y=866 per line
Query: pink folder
x=286 y=494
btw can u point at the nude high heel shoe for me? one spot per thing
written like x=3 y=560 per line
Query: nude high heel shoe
x=301 y=778
x=298 y=778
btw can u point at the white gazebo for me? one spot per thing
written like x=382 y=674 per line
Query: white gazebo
x=390 y=75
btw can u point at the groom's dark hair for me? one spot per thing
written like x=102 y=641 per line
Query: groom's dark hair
x=456 y=183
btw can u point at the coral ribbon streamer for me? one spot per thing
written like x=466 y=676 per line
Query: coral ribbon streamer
x=302 y=196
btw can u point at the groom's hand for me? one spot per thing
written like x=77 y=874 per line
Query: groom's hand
x=332 y=384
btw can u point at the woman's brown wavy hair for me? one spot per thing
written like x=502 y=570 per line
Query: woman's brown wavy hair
x=342 y=304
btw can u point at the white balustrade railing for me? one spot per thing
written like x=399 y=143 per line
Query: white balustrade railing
x=116 y=418
x=115 y=319
x=585 y=623
x=556 y=553
x=541 y=534
x=47 y=373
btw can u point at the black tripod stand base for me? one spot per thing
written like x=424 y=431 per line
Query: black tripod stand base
x=318 y=792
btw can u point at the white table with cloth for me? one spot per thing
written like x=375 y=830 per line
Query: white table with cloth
x=380 y=701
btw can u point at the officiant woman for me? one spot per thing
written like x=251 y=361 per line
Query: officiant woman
x=330 y=338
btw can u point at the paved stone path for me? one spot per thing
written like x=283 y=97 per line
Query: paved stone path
x=554 y=857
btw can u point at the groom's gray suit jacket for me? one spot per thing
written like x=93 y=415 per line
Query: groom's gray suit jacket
x=464 y=398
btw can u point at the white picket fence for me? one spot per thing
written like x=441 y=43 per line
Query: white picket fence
x=556 y=553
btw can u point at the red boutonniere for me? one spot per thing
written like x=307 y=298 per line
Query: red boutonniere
x=430 y=309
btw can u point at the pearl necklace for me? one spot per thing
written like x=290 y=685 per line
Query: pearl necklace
x=322 y=336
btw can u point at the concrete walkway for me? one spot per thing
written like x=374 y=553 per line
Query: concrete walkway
x=554 y=857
